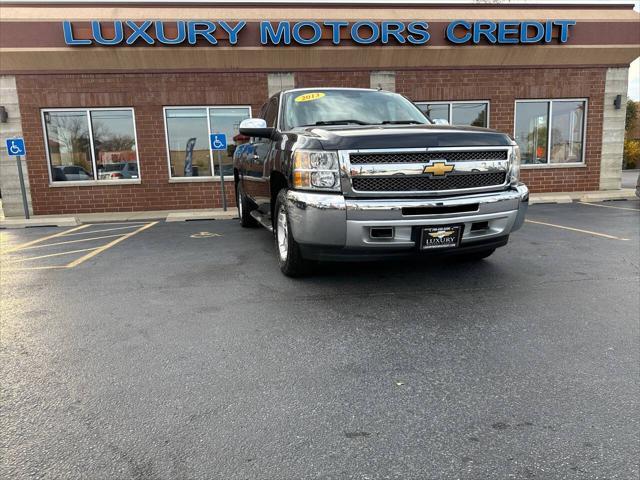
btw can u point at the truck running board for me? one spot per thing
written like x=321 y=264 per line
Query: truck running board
x=262 y=219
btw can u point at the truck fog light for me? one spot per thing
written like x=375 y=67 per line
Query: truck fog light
x=323 y=179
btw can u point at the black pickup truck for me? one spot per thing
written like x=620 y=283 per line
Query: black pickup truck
x=352 y=173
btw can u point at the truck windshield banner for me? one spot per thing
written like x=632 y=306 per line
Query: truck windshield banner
x=331 y=32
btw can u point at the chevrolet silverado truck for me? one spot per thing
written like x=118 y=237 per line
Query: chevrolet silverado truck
x=351 y=173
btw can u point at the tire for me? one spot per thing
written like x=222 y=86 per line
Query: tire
x=290 y=260
x=476 y=256
x=244 y=209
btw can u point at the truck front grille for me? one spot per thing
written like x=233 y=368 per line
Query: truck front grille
x=423 y=183
x=426 y=157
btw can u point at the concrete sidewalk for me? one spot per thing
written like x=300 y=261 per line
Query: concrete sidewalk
x=220 y=214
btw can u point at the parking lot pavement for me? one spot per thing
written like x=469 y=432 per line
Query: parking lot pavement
x=181 y=352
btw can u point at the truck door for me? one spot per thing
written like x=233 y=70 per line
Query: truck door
x=256 y=178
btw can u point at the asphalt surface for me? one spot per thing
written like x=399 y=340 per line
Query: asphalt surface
x=172 y=357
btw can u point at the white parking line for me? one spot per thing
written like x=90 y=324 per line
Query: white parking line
x=38 y=240
x=589 y=232
x=51 y=255
x=609 y=206
x=73 y=241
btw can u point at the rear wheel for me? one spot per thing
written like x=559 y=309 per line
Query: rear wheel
x=289 y=257
x=476 y=256
x=246 y=220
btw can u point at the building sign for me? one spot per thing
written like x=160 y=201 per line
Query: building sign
x=331 y=32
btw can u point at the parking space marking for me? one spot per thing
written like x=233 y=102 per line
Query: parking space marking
x=73 y=241
x=57 y=254
x=589 y=232
x=609 y=206
x=101 y=249
x=106 y=229
x=92 y=252
x=48 y=237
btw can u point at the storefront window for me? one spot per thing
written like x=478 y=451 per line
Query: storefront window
x=458 y=113
x=566 y=136
x=114 y=144
x=91 y=144
x=188 y=130
x=188 y=139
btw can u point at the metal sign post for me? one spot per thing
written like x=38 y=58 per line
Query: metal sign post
x=16 y=148
x=218 y=143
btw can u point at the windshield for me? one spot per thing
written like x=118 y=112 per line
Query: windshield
x=348 y=107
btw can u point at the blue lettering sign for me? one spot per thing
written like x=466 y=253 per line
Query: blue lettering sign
x=180 y=37
x=232 y=31
x=118 y=33
x=282 y=34
x=298 y=38
x=364 y=32
x=372 y=38
x=419 y=34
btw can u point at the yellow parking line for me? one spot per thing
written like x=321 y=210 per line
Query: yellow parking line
x=48 y=237
x=589 y=232
x=74 y=241
x=105 y=230
x=101 y=249
x=51 y=255
x=609 y=206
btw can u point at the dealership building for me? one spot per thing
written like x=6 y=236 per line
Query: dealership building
x=116 y=102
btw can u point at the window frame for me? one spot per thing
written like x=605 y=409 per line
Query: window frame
x=582 y=163
x=451 y=102
x=95 y=181
x=208 y=178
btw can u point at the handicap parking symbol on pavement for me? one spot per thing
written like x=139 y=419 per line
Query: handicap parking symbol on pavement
x=218 y=141
x=15 y=147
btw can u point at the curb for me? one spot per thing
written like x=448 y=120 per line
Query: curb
x=190 y=216
x=40 y=222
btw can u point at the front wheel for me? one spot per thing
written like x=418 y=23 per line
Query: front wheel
x=246 y=220
x=289 y=257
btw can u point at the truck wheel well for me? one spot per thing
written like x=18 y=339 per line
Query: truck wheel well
x=278 y=182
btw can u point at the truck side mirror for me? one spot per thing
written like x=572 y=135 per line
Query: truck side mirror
x=256 y=127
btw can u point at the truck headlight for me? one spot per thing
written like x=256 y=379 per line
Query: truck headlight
x=316 y=170
x=515 y=165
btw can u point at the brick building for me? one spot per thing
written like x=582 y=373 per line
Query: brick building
x=117 y=126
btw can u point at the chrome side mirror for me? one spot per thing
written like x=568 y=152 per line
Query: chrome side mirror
x=255 y=127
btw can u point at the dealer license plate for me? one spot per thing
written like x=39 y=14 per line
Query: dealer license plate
x=440 y=237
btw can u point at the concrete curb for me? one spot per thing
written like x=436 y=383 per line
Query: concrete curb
x=199 y=215
x=597 y=196
x=39 y=222
x=535 y=199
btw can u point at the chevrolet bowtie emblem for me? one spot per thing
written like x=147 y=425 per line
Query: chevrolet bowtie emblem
x=441 y=234
x=438 y=169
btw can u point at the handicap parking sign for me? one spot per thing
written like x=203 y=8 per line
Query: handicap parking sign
x=218 y=141
x=15 y=147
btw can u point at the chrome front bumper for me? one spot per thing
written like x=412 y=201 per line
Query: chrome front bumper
x=331 y=220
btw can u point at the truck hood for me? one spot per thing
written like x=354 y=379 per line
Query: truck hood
x=401 y=136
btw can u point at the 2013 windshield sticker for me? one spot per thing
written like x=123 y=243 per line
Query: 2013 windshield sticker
x=307 y=97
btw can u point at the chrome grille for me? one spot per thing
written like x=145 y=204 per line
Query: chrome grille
x=426 y=157
x=423 y=183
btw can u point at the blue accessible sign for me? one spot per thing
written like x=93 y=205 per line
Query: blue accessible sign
x=218 y=141
x=15 y=147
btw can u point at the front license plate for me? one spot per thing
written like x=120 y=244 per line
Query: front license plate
x=440 y=237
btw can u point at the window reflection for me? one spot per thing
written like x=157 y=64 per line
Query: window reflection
x=474 y=114
x=114 y=144
x=435 y=111
x=567 y=131
x=227 y=121
x=188 y=138
x=69 y=145
x=531 y=131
